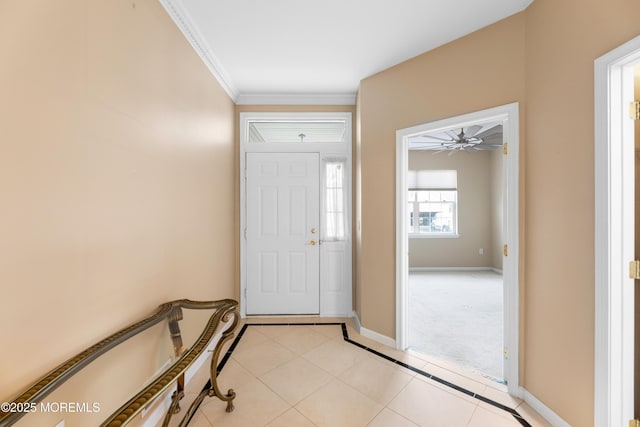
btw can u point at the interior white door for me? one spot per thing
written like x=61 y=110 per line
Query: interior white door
x=283 y=257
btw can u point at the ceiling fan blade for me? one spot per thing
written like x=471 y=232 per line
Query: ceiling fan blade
x=492 y=131
x=492 y=141
x=472 y=130
x=434 y=137
x=425 y=147
x=452 y=133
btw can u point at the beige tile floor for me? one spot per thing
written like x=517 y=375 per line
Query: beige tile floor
x=299 y=375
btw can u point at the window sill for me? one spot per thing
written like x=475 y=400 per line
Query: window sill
x=433 y=236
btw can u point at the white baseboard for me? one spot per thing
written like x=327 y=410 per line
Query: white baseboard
x=418 y=269
x=427 y=269
x=554 y=419
x=356 y=319
x=382 y=339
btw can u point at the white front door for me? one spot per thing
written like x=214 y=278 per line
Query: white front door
x=283 y=257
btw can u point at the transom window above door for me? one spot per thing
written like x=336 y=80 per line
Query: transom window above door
x=297 y=131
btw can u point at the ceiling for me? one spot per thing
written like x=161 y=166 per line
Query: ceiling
x=304 y=51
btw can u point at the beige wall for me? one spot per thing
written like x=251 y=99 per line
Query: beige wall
x=429 y=87
x=475 y=212
x=562 y=41
x=543 y=58
x=116 y=177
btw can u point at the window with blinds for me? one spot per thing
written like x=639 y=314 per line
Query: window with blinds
x=433 y=199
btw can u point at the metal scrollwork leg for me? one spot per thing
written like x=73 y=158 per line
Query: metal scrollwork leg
x=175 y=401
x=226 y=336
x=176 y=337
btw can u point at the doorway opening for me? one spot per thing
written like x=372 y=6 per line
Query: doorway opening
x=615 y=236
x=458 y=238
x=295 y=222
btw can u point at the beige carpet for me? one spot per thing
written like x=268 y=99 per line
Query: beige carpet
x=458 y=316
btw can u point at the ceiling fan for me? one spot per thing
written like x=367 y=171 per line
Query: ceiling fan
x=460 y=139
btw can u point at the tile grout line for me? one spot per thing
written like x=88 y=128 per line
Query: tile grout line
x=345 y=336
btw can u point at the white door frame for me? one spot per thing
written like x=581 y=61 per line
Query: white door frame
x=333 y=303
x=510 y=116
x=614 y=236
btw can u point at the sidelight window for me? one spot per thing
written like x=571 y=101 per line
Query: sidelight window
x=335 y=199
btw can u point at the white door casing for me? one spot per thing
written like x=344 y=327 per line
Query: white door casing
x=509 y=116
x=283 y=257
x=614 y=236
x=335 y=269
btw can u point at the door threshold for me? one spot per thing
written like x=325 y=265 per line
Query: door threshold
x=296 y=318
x=288 y=316
x=460 y=370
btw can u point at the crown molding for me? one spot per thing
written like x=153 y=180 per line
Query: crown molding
x=297 y=99
x=181 y=17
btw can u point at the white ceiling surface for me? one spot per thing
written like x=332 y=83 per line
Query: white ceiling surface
x=281 y=51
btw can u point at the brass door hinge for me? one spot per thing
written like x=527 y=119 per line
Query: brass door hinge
x=506 y=353
x=505 y=148
x=634 y=423
x=505 y=249
x=634 y=271
x=634 y=110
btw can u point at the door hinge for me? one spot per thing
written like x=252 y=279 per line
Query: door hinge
x=634 y=110
x=634 y=271
x=245 y=233
x=505 y=148
x=506 y=353
x=634 y=423
x=505 y=249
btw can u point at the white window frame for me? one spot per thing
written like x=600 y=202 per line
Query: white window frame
x=453 y=234
x=344 y=213
x=415 y=209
